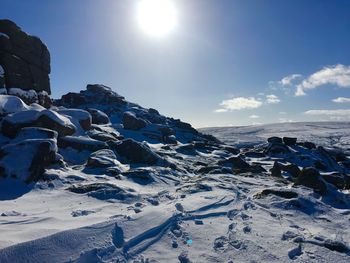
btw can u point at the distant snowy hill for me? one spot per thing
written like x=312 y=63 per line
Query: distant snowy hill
x=321 y=133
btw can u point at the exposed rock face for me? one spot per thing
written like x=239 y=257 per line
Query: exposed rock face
x=25 y=59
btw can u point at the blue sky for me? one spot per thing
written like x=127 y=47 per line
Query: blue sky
x=227 y=62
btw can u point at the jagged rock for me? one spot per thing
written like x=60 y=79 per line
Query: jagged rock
x=289 y=141
x=34 y=118
x=81 y=143
x=98 y=117
x=274 y=140
x=28 y=166
x=135 y=152
x=311 y=178
x=131 y=122
x=81 y=116
x=25 y=59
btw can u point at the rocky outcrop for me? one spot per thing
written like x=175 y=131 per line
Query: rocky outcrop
x=25 y=59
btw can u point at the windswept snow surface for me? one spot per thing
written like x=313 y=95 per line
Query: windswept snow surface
x=182 y=216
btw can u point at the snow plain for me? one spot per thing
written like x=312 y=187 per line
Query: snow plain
x=181 y=217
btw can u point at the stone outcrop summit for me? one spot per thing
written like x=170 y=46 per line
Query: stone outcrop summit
x=24 y=59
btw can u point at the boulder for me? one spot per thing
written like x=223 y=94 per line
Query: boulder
x=131 y=122
x=81 y=116
x=37 y=118
x=292 y=169
x=28 y=166
x=310 y=177
x=81 y=143
x=11 y=104
x=274 y=140
x=289 y=141
x=98 y=117
x=52 y=120
x=101 y=136
x=135 y=152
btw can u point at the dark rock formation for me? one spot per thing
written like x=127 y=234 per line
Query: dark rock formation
x=135 y=152
x=310 y=177
x=25 y=59
x=274 y=140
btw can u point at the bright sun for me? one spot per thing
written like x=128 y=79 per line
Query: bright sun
x=156 y=18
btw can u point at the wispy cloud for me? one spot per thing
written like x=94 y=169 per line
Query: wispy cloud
x=272 y=99
x=239 y=103
x=254 y=116
x=288 y=80
x=340 y=112
x=338 y=75
x=341 y=100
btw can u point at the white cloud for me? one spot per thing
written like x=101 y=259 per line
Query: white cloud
x=239 y=103
x=284 y=120
x=287 y=81
x=254 y=116
x=342 y=112
x=338 y=75
x=341 y=100
x=272 y=99
x=282 y=112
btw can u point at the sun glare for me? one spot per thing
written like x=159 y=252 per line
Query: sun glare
x=156 y=18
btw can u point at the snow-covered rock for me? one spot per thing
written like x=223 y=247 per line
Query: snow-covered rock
x=27 y=159
x=11 y=104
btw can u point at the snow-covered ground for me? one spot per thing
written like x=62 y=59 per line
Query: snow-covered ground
x=183 y=216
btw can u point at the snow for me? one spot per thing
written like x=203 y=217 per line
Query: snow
x=11 y=104
x=28 y=94
x=179 y=215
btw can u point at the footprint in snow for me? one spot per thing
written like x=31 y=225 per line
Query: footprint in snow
x=295 y=252
x=118 y=236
